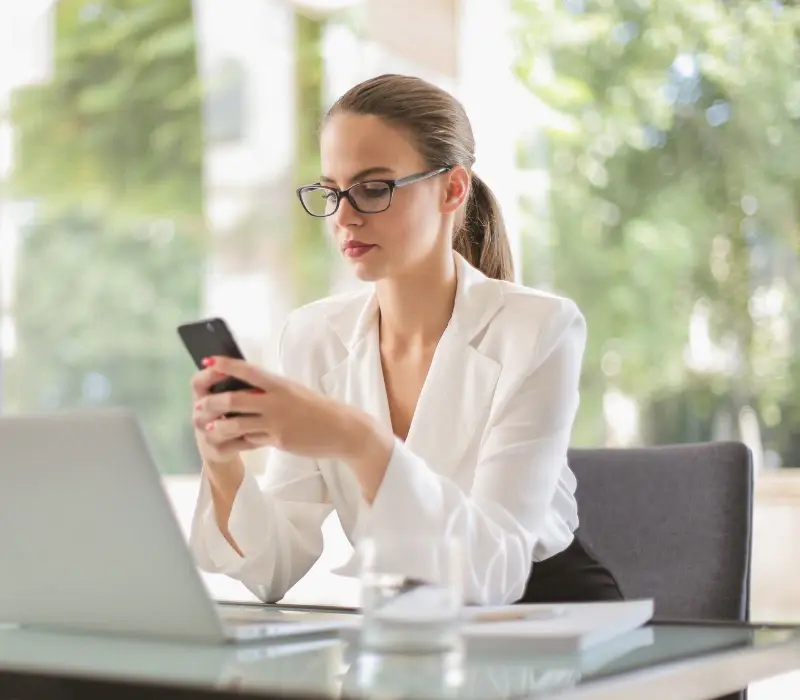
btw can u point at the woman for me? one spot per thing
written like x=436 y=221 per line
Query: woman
x=438 y=403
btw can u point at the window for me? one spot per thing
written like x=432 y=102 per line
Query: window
x=647 y=156
x=670 y=144
x=225 y=103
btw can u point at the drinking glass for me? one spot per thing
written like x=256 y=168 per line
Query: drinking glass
x=411 y=593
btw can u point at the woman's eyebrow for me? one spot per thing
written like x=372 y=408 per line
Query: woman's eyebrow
x=378 y=170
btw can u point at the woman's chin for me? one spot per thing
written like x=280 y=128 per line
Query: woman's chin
x=368 y=268
x=366 y=272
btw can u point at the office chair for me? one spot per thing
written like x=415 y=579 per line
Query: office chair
x=672 y=523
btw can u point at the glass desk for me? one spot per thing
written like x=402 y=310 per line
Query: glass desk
x=662 y=660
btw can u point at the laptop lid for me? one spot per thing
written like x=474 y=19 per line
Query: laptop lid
x=88 y=539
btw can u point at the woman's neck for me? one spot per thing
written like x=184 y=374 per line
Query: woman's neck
x=416 y=308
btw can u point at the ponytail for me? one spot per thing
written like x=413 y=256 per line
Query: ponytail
x=482 y=238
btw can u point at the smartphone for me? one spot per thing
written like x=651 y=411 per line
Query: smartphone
x=212 y=337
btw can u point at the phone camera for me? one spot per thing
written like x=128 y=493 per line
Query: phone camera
x=210 y=326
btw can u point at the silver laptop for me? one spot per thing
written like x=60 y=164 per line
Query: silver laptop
x=89 y=540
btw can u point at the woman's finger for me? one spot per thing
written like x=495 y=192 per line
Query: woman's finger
x=203 y=380
x=233 y=428
x=202 y=415
x=201 y=419
x=246 y=372
x=231 y=402
x=255 y=440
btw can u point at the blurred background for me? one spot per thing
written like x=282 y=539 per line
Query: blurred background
x=646 y=155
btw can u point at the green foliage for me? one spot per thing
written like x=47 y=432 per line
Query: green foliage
x=310 y=253
x=119 y=127
x=97 y=311
x=673 y=149
x=110 y=153
x=110 y=150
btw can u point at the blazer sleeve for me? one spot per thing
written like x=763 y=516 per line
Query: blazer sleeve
x=277 y=525
x=522 y=455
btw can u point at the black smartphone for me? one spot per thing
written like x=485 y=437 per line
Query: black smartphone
x=212 y=337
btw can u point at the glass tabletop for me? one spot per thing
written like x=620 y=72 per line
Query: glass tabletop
x=330 y=667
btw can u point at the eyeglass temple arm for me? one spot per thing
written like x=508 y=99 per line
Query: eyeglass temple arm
x=411 y=179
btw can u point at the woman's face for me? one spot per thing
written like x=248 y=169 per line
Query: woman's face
x=416 y=228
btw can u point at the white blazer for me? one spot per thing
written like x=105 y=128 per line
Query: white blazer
x=485 y=459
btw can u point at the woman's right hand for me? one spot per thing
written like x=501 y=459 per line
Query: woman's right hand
x=221 y=460
x=216 y=455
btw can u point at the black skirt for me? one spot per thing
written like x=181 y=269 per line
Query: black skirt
x=572 y=576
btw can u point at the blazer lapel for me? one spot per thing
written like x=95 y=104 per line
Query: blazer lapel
x=358 y=380
x=461 y=382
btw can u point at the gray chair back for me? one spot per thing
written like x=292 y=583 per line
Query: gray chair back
x=672 y=523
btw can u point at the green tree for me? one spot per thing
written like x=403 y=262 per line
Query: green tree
x=675 y=177
x=310 y=253
x=110 y=153
x=96 y=320
x=118 y=129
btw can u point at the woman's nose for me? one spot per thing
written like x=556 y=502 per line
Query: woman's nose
x=347 y=215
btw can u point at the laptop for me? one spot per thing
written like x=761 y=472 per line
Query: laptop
x=296 y=663
x=89 y=541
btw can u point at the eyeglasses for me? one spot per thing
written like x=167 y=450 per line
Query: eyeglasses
x=369 y=197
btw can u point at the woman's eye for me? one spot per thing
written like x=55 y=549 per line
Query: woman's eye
x=375 y=191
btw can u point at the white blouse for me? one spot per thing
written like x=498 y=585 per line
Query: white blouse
x=485 y=459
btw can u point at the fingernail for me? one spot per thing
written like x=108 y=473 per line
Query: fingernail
x=210 y=427
x=208 y=362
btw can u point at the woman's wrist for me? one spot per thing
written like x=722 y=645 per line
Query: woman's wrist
x=225 y=478
x=367 y=450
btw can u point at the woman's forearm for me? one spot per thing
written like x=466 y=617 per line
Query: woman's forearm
x=225 y=480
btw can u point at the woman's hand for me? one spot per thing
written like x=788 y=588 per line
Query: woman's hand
x=221 y=461
x=291 y=417
x=213 y=451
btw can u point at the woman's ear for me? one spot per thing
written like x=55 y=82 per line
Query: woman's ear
x=456 y=190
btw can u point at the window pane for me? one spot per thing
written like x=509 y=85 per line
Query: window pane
x=671 y=150
x=109 y=256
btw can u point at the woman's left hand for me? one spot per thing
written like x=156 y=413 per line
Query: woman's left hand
x=291 y=417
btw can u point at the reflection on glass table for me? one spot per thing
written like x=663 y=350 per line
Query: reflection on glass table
x=329 y=667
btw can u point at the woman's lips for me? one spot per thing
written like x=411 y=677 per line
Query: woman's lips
x=356 y=249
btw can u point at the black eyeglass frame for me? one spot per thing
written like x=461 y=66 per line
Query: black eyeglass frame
x=392 y=184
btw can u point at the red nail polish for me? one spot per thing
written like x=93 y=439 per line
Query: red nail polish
x=208 y=362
